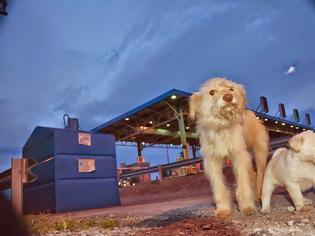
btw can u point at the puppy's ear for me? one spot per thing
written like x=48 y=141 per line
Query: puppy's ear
x=194 y=104
x=296 y=142
x=243 y=101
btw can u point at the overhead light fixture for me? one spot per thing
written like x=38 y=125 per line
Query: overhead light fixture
x=291 y=126
x=127 y=118
x=142 y=127
x=187 y=127
x=276 y=122
x=257 y=117
x=142 y=143
x=266 y=119
x=151 y=122
x=173 y=97
x=283 y=124
x=168 y=125
x=297 y=127
x=303 y=129
x=171 y=144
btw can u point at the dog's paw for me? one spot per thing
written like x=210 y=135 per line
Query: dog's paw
x=303 y=208
x=308 y=202
x=265 y=211
x=248 y=211
x=223 y=213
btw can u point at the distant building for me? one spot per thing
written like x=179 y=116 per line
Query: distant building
x=141 y=164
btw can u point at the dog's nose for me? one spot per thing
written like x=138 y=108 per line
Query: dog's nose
x=228 y=97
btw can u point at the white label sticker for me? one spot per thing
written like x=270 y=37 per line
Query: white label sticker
x=85 y=139
x=86 y=165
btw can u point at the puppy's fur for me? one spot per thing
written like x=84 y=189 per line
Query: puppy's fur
x=292 y=168
x=227 y=131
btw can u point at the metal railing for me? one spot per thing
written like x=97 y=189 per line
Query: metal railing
x=274 y=144
x=15 y=177
x=5 y=179
x=158 y=168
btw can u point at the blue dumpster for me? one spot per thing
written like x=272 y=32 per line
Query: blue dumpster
x=76 y=171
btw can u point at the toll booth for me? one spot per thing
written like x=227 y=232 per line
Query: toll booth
x=76 y=171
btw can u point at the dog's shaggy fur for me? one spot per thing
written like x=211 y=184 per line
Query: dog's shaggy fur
x=292 y=168
x=227 y=131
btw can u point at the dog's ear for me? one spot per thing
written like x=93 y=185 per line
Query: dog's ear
x=296 y=142
x=194 y=104
x=243 y=101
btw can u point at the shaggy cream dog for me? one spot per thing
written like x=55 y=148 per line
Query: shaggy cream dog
x=227 y=131
x=292 y=168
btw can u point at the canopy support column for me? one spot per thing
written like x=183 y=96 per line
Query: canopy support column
x=182 y=133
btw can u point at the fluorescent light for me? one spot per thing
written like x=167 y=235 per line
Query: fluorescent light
x=297 y=127
x=283 y=124
x=168 y=125
x=173 y=97
x=303 y=129
x=127 y=118
x=151 y=122
x=291 y=126
x=276 y=122
x=266 y=119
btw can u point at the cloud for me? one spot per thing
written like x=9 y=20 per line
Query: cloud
x=96 y=60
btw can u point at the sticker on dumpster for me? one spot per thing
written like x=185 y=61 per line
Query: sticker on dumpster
x=86 y=165
x=85 y=139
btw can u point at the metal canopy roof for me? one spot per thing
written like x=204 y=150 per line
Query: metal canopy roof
x=156 y=122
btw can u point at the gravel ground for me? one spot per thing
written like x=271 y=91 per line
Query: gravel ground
x=198 y=220
x=167 y=215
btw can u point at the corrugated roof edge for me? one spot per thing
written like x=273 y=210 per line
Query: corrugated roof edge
x=143 y=106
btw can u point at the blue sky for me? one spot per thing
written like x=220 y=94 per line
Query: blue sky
x=97 y=59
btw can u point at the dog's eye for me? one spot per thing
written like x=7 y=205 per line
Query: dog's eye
x=212 y=92
x=231 y=89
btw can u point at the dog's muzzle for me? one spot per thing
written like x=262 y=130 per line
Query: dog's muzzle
x=229 y=111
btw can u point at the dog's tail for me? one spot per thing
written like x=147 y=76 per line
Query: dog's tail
x=261 y=149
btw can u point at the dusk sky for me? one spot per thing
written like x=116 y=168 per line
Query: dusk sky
x=98 y=59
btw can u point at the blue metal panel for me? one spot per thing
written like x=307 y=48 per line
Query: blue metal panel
x=73 y=194
x=144 y=106
x=39 y=199
x=40 y=145
x=74 y=190
x=66 y=141
x=67 y=167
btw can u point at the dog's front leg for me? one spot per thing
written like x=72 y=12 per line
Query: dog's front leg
x=244 y=193
x=213 y=167
x=295 y=193
x=267 y=190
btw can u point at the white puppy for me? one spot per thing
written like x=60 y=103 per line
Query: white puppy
x=227 y=131
x=291 y=168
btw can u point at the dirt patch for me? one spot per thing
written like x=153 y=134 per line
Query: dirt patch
x=170 y=188
x=194 y=226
